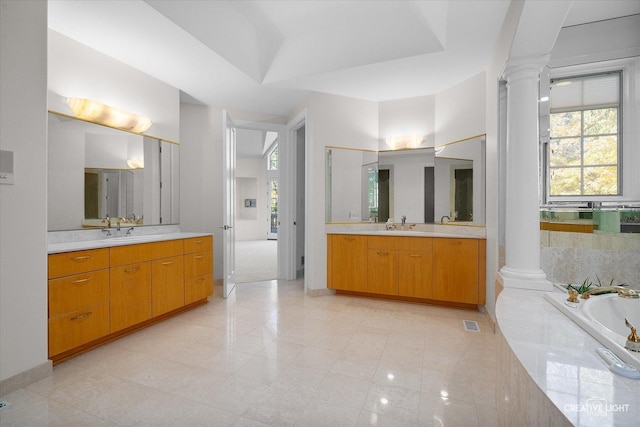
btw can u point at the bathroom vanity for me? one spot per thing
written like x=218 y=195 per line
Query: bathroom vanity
x=103 y=289
x=413 y=266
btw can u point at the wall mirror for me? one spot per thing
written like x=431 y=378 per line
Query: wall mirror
x=427 y=185
x=96 y=172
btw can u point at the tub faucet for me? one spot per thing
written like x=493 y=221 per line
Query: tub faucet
x=622 y=291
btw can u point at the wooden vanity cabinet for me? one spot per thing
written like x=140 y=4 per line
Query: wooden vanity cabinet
x=198 y=261
x=347 y=263
x=98 y=295
x=130 y=295
x=137 y=294
x=420 y=269
x=456 y=270
x=78 y=298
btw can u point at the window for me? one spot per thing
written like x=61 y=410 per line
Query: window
x=584 y=150
x=273 y=159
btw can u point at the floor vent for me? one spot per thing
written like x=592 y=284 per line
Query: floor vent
x=4 y=404
x=471 y=326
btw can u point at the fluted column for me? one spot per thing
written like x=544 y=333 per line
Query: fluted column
x=522 y=217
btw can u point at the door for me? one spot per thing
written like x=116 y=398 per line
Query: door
x=228 y=205
x=272 y=188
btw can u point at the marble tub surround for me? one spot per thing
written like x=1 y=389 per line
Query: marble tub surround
x=549 y=373
x=573 y=257
x=426 y=230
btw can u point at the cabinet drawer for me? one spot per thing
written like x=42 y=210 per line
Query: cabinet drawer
x=198 y=244
x=131 y=254
x=68 y=263
x=72 y=293
x=198 y=288
x=198 y=264
x=78 y=328
x=423 y=244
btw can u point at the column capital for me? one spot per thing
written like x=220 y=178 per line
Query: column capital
x=528 y=67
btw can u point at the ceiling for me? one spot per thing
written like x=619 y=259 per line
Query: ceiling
x=264 y=56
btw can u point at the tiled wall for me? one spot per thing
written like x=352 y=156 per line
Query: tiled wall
x=573 y=257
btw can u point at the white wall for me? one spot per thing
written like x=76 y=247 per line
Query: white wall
x=76 y=70
x=339 y=121
x=248 y=228
x=460 y=110
x=409 y=116
x=23 y=206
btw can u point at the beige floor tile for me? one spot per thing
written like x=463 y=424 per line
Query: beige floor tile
x=270 y=355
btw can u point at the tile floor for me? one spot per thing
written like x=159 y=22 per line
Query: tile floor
x=270 y=355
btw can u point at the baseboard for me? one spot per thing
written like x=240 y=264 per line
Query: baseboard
x=25 y=378
x=320 y=292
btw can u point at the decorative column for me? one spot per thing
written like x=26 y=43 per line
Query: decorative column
x=522 y=214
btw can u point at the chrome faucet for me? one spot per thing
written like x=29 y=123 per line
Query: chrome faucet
x=403 y=218
x=622 y=291
x=128 y=233
x=442 y=219
x=107 y=232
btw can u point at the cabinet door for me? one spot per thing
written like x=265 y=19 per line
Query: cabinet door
x=167 y=285
x=455 y=270
x=347 y=262
x=383 y=272
x=415 y=274
x=130 y=295
x=198 y=288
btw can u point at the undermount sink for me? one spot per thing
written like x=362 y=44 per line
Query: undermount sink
x=131 y=239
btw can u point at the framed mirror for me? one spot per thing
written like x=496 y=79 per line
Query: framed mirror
x=97 y=172
x=427 y=185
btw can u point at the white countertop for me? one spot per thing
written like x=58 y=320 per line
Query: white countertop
x=406 y=233
x=419 y=230
x=119 y=241
x=560 y=358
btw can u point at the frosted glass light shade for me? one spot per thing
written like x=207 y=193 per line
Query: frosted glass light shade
x=92 y=111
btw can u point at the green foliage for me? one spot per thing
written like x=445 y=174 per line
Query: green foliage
x=583 y=152
x=588 y=284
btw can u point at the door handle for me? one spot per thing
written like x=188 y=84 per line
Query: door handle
x=226 y=227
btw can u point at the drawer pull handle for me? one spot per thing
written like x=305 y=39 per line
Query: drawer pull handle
x=198 y=242
x=199 y=256
x=132 y=270
x=168 y=263
x=82 y=316
x=383 y=253
x=200 y=280
x=80 y=258
x=75 y=282
x=415 y=256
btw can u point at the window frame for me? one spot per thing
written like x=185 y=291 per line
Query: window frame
x=629 y=74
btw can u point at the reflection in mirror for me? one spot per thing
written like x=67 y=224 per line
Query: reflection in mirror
x=406 y=185
x=97 y=172
x=351 y=191
x=424 y=184
x=459 y=188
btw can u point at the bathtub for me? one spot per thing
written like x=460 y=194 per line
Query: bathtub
x=602 y=316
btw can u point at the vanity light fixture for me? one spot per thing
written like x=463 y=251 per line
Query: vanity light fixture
x=95 y=112
x=404 y=142
x=136 y=163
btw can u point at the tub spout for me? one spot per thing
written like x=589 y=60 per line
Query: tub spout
x=622 y=291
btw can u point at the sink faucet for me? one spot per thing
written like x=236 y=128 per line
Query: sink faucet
x=442 y=219
x=403 y=218
x=128 y=233
x=622 y=291
x=119 y=221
